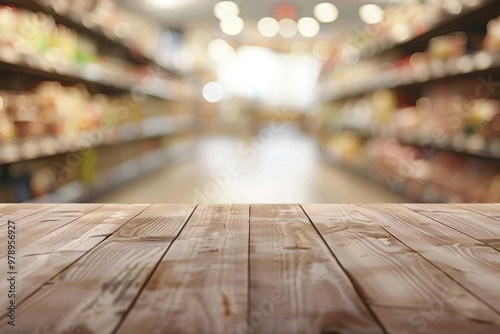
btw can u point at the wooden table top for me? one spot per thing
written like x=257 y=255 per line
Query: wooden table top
x=317 y=268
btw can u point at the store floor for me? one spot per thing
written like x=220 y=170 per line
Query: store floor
x=281 y=166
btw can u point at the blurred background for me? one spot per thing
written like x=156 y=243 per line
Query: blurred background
x=150 y=101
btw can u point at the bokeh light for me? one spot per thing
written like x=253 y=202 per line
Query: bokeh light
x=308 y=27
x=371 y=14
x=225 y=9
x=232 y=26
x=213 y=92
x=268 y=27
x=287 y=28
x=326 y=12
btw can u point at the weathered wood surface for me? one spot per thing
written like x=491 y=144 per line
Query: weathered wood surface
x=53 y=252
x=394 y=279
x=472 y=264
x=315 y=268
x=484 y=229
x=93 y=295
x=296 y=285
x=201 y=284
x=490 y=210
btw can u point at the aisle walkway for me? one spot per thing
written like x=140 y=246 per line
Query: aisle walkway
x=279 y=167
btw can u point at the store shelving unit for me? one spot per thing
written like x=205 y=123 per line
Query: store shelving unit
x=86 y=27
x=473 y=65
x=483 y=10
x=136 y=168
x=473 y=148
x=156 y=139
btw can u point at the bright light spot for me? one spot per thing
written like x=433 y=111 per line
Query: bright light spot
x=371 y=14
x=288 y=28
x=322 y=50
x=268 y=26
x=171 y=4
x=300 y=47
x=232 y=26
x=326 y=12
x=225 y=9
x=308 y=27
x=213 y=92
x=220 y=51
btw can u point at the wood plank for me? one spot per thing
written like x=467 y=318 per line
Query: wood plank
x=201 y=284
x=490 y=210
x=397 y=282
x=30 y=228
x=475 y=225
x=50 y=254
x=17 y=211
x=472 y=264
x=296 y=285
x=94 y=293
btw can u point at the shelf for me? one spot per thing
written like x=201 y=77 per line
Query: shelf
x=143 y=165
x=485 y=10
x=474 y=144
x=46 y=146
x=97 y=33
x=396 y=184
x=468 y=65
x=89 y=75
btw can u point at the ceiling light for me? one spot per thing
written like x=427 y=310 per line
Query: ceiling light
x=287 y=28
x=213 y=92
x=326 y=12
x=268 y=26
x=226 y=9
x=308 y=27
x=171 y=4
x=371 y=14
x=232 y=26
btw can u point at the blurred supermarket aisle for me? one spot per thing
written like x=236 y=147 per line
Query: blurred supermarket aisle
x=278 y=166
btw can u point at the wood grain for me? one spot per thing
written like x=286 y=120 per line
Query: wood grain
x=94 y=293
x=472 y=264
x=490 y=210
x=475 y=225
x=15 y=212
x=395 y=280
x=51 y=253
x=201 y=284
x=31 y=227
x=296 y=285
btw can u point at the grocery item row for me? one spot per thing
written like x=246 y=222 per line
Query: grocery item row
x=419 y=174
x=446 y=56
x=81 y=175
x=107 y=22
x=408 y=21
x=34 y=40
x=52 y=119
x=54 y=109
x=442 y=112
